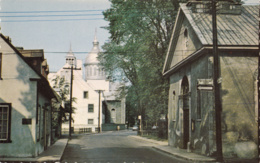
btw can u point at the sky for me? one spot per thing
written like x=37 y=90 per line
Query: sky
x=54 y=25
x=40 y=24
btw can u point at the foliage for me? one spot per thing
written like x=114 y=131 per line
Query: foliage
x=140 y=34
x=63 y=90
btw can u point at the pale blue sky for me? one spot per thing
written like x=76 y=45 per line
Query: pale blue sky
x=56 y=36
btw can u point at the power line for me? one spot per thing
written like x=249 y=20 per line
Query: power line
x=20 y=12
x=20 y=16
x=20 y=21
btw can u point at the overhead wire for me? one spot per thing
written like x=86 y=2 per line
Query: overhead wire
x=19 y=21
x=51 y=11
x=21 y=16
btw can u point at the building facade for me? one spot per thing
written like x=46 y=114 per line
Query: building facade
x=25 y=103
x=90 y=94
x=189 y=67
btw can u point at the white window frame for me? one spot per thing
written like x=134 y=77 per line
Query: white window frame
x=5 y=131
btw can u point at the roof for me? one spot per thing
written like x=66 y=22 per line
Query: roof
x=236 y=30
x=44 y=83
x=233 y=29
x=93 y=54
x=39 y=53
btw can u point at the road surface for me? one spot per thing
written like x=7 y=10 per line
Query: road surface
x=114 y=147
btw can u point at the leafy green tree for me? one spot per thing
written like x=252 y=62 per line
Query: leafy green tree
x=63 y=90
x=140 y=34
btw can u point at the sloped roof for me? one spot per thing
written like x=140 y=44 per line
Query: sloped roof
x=93 y=54
x=236 y=31
x=44 y=83
x=233 y=30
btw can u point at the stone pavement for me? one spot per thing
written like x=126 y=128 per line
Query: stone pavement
x=52 y=154
x=180 y=153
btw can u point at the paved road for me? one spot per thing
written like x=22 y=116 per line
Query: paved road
x=113 y=147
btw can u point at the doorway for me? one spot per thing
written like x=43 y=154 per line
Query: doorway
x=185 y=106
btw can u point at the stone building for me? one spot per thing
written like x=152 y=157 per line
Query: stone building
x=189 y=67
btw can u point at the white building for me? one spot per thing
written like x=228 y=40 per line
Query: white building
x=89 y=93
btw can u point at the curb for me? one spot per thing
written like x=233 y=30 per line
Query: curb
x=185 y=158
x=52 y=154
x=161 y=146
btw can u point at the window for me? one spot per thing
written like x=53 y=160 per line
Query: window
x=204 y=96
x=85 y=94
x=87 y=68
x=90 y=108
x=90 y=121
x=199 y=8
x=90 y=71
x=5 y=122
x=95 y=71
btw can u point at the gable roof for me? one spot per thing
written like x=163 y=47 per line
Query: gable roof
x=233 y=30
x=44 y=84
x=239 y=31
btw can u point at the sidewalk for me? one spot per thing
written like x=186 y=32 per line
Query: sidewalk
x=180 y=153
x=52 y=154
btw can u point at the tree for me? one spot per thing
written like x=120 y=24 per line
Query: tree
x=140 y=34
x=63 y=90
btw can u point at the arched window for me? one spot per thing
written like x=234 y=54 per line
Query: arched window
x=90 y=71
x=86 y=71
x=95 y=71
x=184 y=86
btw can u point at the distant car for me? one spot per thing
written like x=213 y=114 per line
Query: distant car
x=135 y=128
x=154 y=127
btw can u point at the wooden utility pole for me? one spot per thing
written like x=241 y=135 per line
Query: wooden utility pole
x=258 y=86
x=216 y=82
x=71 y=84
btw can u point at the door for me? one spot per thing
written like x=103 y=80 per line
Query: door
x=186 y=107
x=186 y=127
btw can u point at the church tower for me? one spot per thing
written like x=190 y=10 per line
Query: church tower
x=70 y=58
x=93 y=71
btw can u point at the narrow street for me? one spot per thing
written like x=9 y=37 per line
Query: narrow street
x=113 y=147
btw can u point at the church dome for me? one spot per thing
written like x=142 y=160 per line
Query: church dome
x=93 y=54
x=93 y=71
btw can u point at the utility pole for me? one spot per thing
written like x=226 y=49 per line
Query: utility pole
x=216 y=82
x=99 y=106
x=258 y=86
x=71 y=83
